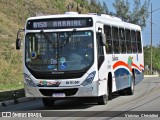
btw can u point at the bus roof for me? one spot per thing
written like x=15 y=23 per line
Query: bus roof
x=102 y=18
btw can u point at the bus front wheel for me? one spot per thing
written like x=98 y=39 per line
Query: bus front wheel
x=102 y=100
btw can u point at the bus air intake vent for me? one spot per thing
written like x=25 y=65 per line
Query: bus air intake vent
x=68 y=92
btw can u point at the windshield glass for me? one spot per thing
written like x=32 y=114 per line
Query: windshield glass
x=59 y=51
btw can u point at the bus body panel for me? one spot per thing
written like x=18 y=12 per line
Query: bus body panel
x=123 y=72
x=119 y=65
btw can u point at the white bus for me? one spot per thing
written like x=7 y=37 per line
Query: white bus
x=80 y=55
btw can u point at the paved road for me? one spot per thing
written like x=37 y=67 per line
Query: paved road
x=146 y=98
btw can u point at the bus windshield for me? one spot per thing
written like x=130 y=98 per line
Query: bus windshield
x=59 y=51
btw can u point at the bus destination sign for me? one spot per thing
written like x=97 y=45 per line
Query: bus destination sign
x=59 y=23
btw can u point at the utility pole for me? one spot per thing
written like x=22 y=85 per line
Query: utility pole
x=151 y=38
x=151 y=34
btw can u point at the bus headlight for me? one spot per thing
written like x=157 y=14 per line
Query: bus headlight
x=89 y=78
x=29 y=81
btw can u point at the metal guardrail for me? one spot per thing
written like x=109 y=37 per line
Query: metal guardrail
x=151 y=75
x=11 y=95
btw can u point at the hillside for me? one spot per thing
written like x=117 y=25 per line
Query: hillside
x=13 y=16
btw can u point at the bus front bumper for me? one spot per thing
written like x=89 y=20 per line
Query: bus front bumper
x=90 y=90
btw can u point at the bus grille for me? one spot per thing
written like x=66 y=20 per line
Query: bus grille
x=68 y=92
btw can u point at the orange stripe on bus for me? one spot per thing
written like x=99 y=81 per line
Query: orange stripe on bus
x=120 y=63
x=136 y=66
x=141 y=66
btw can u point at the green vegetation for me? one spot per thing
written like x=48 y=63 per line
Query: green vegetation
x=13 y=16
x=155 y=57
x=136 y=15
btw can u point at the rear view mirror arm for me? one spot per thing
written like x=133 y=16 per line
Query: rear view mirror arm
x=18 y=41
x=19 y=31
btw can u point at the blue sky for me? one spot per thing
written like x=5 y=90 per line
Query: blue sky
x=147 y=30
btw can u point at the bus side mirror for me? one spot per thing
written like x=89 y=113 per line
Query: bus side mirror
x=18 y=44
x=18 y=41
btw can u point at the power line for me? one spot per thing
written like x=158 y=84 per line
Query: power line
x=150 y=33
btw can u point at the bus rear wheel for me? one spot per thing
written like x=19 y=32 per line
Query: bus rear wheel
x=130 y=90
x=102 y=100
x=48 y=102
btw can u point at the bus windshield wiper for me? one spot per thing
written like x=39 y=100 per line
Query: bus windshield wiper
x=53 y=45
x=67 y=38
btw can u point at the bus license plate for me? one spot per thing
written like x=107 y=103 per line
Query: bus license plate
x=58 y=95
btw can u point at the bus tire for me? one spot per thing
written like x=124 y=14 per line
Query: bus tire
x=130 y=90
x=48 y=102
x=109 y=87
x=109 y=94
x=102 y=100
x=122 y=92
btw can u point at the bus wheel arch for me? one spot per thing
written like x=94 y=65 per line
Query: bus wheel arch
x=102 y=100
x=109 y=86
x=133 y=75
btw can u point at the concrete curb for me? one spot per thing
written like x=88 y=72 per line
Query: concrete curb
x=151 y=76
x=16 y=101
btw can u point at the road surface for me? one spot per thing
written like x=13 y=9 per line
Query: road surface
x=145 y=99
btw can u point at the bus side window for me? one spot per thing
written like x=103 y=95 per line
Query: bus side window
x=139 y=44
x=128 y=40
x=115 y=38
x=134 y=43
x=107 y=32
x=122 y=40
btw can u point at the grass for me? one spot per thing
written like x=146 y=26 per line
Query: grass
x=7 y=87
x=13 y=16
x=10 y=71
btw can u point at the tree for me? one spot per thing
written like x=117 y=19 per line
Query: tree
x=105 y=8
x=155 y=57
x=95 y=6
x=79 y=3
x=122 y=9
x=147 y=54
x=140 y=13
x=136 y=16
x=92 y=6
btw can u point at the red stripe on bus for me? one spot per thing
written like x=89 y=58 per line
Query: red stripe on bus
x=141 y=66
x=136 y=66
x=120 y=63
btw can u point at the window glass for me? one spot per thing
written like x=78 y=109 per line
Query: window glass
x=115 y=33
x=100 y=47
x=128 y=41
x=134 y=42
x=115 y=37
x=107 y=32
x=122 y=40
x=138 y=36
x=59 y=51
